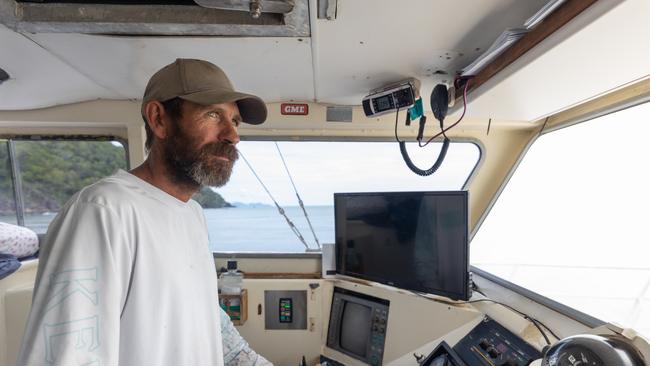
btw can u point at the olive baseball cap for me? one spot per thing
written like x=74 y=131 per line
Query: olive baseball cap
x=203 y=83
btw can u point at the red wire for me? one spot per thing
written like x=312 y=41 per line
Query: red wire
x=455 y=123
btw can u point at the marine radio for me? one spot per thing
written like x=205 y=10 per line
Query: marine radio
x=401 y=95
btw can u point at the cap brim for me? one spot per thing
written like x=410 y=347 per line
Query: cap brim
x=252 y=108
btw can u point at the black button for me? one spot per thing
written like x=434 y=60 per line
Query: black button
x=484 y=344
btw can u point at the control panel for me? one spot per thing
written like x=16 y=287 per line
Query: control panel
x=490 y=344
x=378 y=335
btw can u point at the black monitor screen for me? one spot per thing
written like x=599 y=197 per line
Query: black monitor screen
x=355 y=328
x=411 y=240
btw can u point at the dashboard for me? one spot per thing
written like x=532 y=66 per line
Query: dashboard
x=490 y=344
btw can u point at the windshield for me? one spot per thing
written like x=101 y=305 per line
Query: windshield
x=572 y=222
x=249 y=220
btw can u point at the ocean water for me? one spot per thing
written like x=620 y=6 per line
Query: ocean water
x=263 y=229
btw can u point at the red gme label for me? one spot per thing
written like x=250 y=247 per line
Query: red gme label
x=294 y=109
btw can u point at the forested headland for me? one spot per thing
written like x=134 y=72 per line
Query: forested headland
x=52 y=171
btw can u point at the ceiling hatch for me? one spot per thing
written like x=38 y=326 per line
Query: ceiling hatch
x=243 y=18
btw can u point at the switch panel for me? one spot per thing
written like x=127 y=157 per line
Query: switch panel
x=285 y=309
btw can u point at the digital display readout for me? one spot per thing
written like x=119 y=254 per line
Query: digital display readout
x=384 y=103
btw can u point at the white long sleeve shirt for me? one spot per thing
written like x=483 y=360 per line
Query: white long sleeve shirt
x=236 y=351
x=125 y=278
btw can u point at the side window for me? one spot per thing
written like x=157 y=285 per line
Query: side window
x=50 y=172
x=249 y=221
x=572 y=222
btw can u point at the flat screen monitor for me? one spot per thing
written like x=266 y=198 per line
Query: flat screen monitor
x=411 y=240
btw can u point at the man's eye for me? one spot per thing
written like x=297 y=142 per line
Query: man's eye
x=213 y=114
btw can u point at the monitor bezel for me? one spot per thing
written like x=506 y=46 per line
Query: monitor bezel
x=463 y=294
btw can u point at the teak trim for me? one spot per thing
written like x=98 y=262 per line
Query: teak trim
x=548 y=26
x=283 y=276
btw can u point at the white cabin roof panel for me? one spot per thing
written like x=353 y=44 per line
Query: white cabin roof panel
x=375 y=42
x=276 y=69
x=40 y=79
x=369 y=44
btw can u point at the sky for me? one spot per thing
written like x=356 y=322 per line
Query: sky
x=572 y=223
x=321 y=168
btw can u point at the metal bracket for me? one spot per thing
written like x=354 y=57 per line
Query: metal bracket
x=327 y=9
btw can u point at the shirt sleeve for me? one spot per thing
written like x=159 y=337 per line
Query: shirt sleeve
x=236 y=351
x=80 y=290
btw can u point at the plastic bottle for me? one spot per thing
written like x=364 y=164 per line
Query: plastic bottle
x=230 y=282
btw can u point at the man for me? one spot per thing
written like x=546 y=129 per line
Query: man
x=125 y=274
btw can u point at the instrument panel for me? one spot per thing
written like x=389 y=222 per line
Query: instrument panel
x=490 y=344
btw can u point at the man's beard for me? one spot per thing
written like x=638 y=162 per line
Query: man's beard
x=197 y=167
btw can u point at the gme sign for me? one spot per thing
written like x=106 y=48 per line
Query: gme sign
x=294 y=109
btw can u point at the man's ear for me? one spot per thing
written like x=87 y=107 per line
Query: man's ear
x=157 y=119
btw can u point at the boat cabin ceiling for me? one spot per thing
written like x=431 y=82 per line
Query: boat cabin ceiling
x=365 y=45
x=80 y=68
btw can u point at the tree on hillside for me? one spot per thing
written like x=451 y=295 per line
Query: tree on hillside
x=52 y=171
x=6 y=186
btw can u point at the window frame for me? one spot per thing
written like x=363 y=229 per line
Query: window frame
x=286 y=138
x=14 y=166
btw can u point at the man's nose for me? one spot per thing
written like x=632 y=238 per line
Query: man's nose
x=229 y=135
